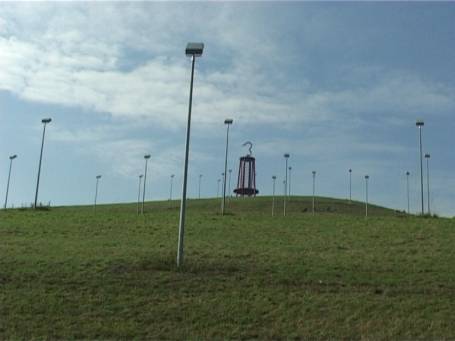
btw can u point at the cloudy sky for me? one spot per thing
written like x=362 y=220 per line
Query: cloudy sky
x=336 y=85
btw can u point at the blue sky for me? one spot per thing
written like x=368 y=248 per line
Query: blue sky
x=336 y=85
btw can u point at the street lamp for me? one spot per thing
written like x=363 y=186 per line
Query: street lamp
x=11 y=158
x=420 y=124
x=314 y=186
x=350 y=185
x=229 y=188
x=273 y=195
x=45 y=121
x=427 y=156
x=366 y=195
x=192 y=50
x=170 y=191
x=199 y=187
x=228 y=122
x=139 y=192
x=146 y=157
x=98 y=177
x=286 y=157
x=218 y=188
x=407 y=190
x=290 y=169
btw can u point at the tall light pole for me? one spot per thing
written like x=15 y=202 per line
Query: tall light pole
x=199 y=186
x=273 y=195
x=350 y=185
x=366 y=195
x=139 y=192
x=420 y=124
x=45 y=121
x=229 y=188
x=427 y=157
x=193 y=50
x=146 y=157
x=407 y=190
x=314 y=186
x=98 y=177
x=218 y=188
x=228 y=122
x=286 y=157
x=171 y=185
x=290 y=169
x=11 y=158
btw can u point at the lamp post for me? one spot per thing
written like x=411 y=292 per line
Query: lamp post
x=45 y=121
x=273 y=195
x=407 y=190
x=228 y=122
x=290 y=169
x=199 y=186
x=98 y=177
x=218 y=188
x=139 y=192
x=229 y=188
x=420 y=124
x=286 y=157
x=314 y=186
x=350 y=185
x=146 y=158
x=366 y=195
x=193 y=50
x=171 y=185
x=427 y=157
x=11 y=158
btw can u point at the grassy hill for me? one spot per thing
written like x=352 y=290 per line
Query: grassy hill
x=72 y=273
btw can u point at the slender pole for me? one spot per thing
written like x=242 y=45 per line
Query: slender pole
x=286 y=156
x=314 y=187
x=407 y=191
x=96 y=193
x=39 y=166
x=218 y=188
x=366 y=196
x=225 y=170
x=170 y=191
x=185 y=173
x=273 y=195
x=199 y=186
x=139 y=193
x=9 y=176
x=143 y=190
x=229 y=188
x=350 y=185
x=428 y=184
x=289 y=192
x=421 y=168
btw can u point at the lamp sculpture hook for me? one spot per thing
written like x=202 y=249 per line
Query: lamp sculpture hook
x=248 y=143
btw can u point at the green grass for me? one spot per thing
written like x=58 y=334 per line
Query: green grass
x=69 y=273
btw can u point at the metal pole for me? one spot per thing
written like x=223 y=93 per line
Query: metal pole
x=366 y=195
x=139 y=193
x=185 y=173
x=273 y=195
x=170 y=191
x=428 y=184
x=143 y=190
x=407 y=191
x=225 y=171
x=285 y=186
x=7 y=186
x=200 y=176
x=290 y=169
x=39 y=166
x=96 y=193
x=218 y=188
x=421 y=168
x=229 y=188
x=314 y=181
x=350 y=185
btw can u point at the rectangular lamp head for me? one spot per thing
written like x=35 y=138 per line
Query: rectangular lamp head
x=419 y=123
x=228 y=121
x=194 y=49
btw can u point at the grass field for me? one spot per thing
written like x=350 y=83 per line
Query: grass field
x=69 y=273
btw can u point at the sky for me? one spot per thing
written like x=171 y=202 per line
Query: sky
x=336 y=85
